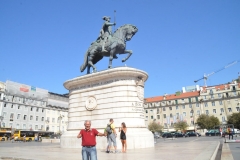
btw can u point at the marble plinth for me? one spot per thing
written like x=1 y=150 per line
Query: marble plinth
x=116 y=93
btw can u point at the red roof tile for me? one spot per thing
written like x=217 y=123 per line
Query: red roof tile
x=173 y=96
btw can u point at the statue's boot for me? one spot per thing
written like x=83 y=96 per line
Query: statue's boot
x=115 y=57
x=103 y=48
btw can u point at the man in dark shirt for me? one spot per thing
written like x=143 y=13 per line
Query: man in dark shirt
x=88 y=136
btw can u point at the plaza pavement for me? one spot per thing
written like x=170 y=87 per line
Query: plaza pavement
x=193 y=148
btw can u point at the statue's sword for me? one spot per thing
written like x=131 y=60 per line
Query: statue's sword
x=114 y=20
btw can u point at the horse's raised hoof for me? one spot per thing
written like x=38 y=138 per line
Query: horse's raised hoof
x=115 y=57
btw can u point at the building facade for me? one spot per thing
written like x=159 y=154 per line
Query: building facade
x=220 y=101
x=57 y=113
x=27 y=107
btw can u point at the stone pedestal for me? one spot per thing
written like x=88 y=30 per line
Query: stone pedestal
x=116 y=93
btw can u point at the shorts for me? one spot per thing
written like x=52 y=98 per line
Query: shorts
x=111 y=139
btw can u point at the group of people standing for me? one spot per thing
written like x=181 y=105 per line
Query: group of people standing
x=89 y=134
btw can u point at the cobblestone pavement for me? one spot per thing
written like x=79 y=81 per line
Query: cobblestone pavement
x=198 y=148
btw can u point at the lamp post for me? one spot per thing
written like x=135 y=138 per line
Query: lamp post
x=60 y=119
x=1 y=118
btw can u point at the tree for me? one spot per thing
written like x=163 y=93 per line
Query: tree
x=207 y=122
x=181 y=125
x=234 y=119
x=154 y=127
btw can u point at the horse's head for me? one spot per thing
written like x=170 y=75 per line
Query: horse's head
x=131 y=30
x=126 y=32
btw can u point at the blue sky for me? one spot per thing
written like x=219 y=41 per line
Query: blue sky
x=42 y=42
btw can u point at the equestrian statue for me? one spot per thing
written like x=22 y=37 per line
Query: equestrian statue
x=109 y=44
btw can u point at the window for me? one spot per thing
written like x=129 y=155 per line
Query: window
x=31 y=117
x=176 y=102
x=164 y=109
x=190 y=105
x=18 y=116
x=42 y=110
x=226 y=94
x=205 y=104
x=165 y=125
x=24 y=117
x=237 y=108
x=151 y=117
x=223 y=118
x=158 y=116
x=42 y=118
x=214 y=111
x=31 y=109
x=197 y=104
x=146 y=117
x=196 y=99
x=10 y=125
x=198 y=112
x=171 y=115
x=211 y=91
x=36 y=127
x=24 y=126
x=11 y=116
x=151 y=111
x=233 y=88
x=234 y=93
x=228 y=102
x=183 y=106
x=5 y=104
x=176 y=107
x=47 y=128
x=182 y=100
x=3 y=124
x=18 y=106
x=12 y=106
x=41 y=127
x=220 y=103
x=146 y=111
x=157 y=110
x=213 y=103
x=4 y=114
x=36 y=118
x=184 y=113
x=212 y=96
x=207 y=112
x=189 y=99
x=205 y=97
x=177 y=114
x=37 y=109
x=164 y=115
x=30 y=126
x=53 y=120
x=17 y=126
x=221 y=110
x=170 y=108
x=219 y=95
x=229 y=109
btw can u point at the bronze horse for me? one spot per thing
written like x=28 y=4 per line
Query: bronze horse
x=116 y=44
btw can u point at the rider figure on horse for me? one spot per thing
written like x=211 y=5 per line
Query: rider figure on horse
x=106 y=31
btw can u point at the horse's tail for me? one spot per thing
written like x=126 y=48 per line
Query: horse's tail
x=85 y=63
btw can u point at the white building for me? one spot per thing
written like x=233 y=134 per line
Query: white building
x=28 y=107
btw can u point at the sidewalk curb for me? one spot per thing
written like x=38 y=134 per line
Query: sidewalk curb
x=226 y=153
x=215 y=152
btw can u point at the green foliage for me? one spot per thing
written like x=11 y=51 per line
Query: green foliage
x=154 y=127
x=181 y=125
x=207 y=122
x=235 y=120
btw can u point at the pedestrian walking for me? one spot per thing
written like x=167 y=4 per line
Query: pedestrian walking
x=88 y=136
x=230 y=133
x=123 y=137
x=111 y=135
x=220 y=130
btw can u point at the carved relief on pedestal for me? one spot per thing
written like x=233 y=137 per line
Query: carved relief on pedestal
x=91 y=103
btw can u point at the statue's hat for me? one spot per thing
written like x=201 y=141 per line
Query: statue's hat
x=105 y=17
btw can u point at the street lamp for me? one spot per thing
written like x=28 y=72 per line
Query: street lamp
x=60 y=119
x=1 y=118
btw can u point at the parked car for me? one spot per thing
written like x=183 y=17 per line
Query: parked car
x=212 y=133
x=177 y=134
x=167 y=135
x=192 y=134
